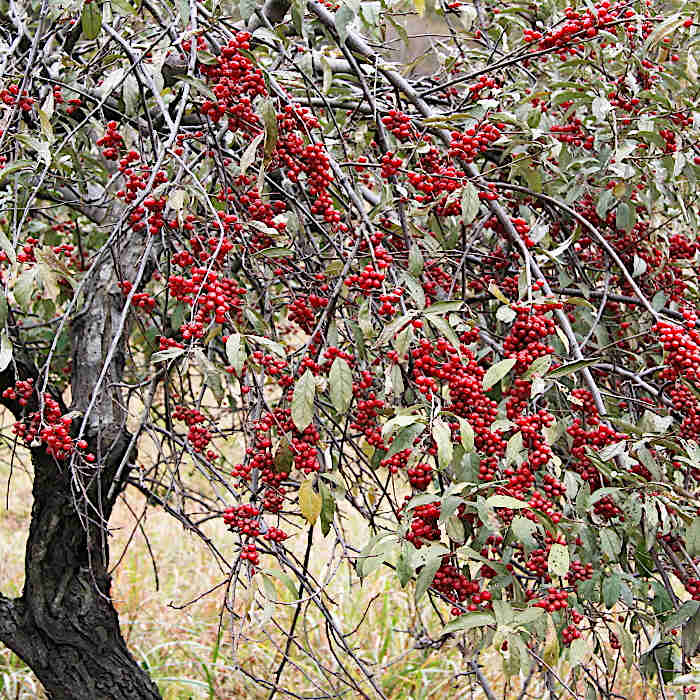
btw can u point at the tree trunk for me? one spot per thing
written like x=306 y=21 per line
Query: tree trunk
x=64 y=627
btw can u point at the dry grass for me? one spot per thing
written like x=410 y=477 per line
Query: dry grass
x=188 y=655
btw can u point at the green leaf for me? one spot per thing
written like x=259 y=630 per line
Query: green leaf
x=691 y=635
x=327 y=507
x=505 y=502
x=469 y=621
x=612 y=451
x=169 y=354
x=393 y=328
x=91 y=20
x=415 y=261
x=426 y=576
x=466 y=434
x=5 y=351
x=578 y=651
x=523 y=530
x=271 y=345
x=124 y=6
x=443 y=439
x=5 y=243
x=514 y=448
x=248 y=156
x=8 y=170
x=571 y=368
x=276 y=252
x=405 y=439
x=247 y=9
x=470 y=203
x=404 y=569
x=496 y=372
x=610 y=543
x=612 y=587
x=343 y=19
x=444 y=329
x=415 y=289
x=692 y=538
x=269 y=115
x=310 y=502
x=303 y=401
x=538 y=367
x=625 y=217
x=528 y=616
x=664 y=29
x=25 y=287
x=235 y=353
x=398 y=422
x=443 y=307
x=558 y=560
x=682 y=615
x=340 y=383
x=286 y=580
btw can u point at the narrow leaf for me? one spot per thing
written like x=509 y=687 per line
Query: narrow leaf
x=496 y=372
x=310 y=502
x=340 y=382
x=303 y=401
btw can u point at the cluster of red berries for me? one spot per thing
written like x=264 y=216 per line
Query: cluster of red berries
x=420 y=476
x=111 y=142
x=554 y=600
x=48 y=426
x=302 y=310
x=243 y=519
x=198 y=436
x=391 y=165
x=249 y=552
x=213 y=296
x=424 y=525
x=475 y=140
x=569 y=633
x=682 y=345
x=12 y=96
x=26 y=255
x=399 y=124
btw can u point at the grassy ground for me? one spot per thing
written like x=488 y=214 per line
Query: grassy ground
x=190 y=657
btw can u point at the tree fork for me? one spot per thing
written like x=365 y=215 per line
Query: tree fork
x=64 y=626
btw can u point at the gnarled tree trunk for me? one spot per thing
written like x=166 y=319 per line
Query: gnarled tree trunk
x=64 y=626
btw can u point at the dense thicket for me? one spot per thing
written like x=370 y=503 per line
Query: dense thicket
x=456 y=295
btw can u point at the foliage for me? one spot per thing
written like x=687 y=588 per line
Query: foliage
x=462 y=305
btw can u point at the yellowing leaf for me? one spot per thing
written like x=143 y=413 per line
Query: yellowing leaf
x=551 y=652
x=494 y=289
x=91 y=20
x=558 y=560
x=309 y=501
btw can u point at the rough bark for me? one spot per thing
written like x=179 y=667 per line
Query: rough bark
x=64 y=626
